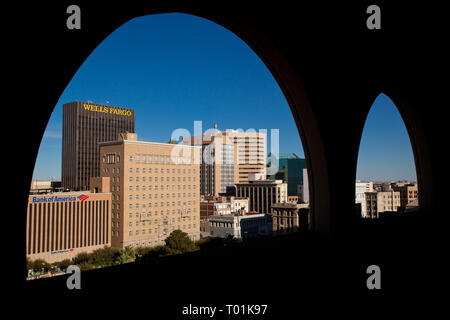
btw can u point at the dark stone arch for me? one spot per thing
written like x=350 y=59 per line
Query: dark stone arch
x=415 y=128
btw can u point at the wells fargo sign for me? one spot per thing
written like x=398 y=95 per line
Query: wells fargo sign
x=111 y=110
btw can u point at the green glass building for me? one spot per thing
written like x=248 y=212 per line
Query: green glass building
x=290 y=170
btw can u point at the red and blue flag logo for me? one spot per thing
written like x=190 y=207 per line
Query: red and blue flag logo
x=83 y=197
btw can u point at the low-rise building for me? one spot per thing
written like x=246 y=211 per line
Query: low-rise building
x=408 y=193
x=217 y=205
x=290 y=217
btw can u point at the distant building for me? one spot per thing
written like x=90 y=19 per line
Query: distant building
x=262 y=194
x=228 y=157
x=290 y=217
x=381 y=202
x=239 y=226
x=361 y=188
x=381 y=186
x=63 y=224
x=290 y=170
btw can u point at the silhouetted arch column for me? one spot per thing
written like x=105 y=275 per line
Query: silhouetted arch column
x=417 y=136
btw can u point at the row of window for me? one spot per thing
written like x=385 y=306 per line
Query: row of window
x=155 y=196
x=179 y=179
x=155 y=205
x=149 y=222
x=149 y=214
x=178 y=171
x=158 y=159
x=184 y=227
x=179 y=187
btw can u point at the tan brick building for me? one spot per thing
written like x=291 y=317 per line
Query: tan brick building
x=383 y=201
x=155 y=190
x=228 y=157
x=63 y=224
x=408 y=193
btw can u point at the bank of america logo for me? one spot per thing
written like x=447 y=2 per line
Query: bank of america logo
x=83 y=197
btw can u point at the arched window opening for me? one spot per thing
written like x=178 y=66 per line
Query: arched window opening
x=196 y=117
x=386 y=182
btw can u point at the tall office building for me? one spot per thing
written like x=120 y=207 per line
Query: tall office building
x=84 y=126
x=228 y=158
x=155 y=190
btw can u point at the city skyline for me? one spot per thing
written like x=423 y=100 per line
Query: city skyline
x=174 y=69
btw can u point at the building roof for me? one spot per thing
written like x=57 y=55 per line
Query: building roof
x=285 y=156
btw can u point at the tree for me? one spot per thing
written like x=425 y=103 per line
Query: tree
x=179 y=242
x=64 y=264
x=104 y=256
x=127 y=254
x=82 y=257
x=38 y=264
x=30 y=264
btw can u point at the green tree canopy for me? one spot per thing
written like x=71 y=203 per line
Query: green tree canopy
x=127 y=254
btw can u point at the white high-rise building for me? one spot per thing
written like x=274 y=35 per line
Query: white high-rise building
x=303 y=189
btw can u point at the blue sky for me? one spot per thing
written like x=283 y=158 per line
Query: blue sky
x=174 y=69
x=385 y=152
